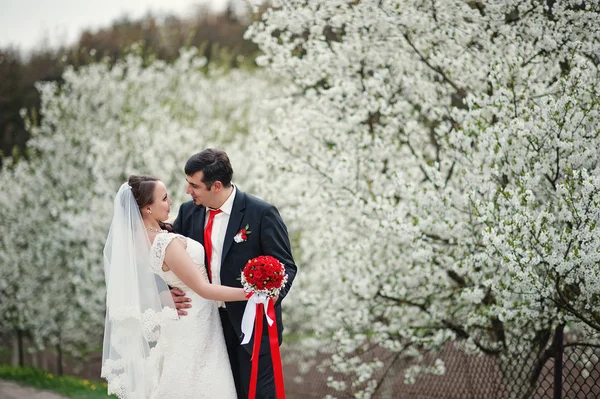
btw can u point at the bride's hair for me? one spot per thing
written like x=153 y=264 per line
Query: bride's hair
x=142 y=187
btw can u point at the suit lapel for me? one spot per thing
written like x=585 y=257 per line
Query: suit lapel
x=235 y=220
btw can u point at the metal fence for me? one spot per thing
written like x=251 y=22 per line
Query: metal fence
x=563 y=369
x=571 y=371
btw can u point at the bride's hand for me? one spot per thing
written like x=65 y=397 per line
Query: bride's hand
x=181 y=301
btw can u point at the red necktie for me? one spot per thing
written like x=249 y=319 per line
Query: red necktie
x=208 y=240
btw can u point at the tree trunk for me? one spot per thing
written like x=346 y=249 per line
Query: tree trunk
x=558 y=360
x=59 y=360
x=20 y=349
x=14 y=360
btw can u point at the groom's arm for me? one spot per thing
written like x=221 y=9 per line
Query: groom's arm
x=275 y=242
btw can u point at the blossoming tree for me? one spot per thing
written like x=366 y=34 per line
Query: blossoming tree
x=99 y=125
x=449 y=151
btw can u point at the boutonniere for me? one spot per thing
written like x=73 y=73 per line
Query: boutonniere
x=242 y=235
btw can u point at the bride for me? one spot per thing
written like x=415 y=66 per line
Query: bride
x=148 y=352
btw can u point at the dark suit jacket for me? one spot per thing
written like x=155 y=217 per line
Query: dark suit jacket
x=268 y=236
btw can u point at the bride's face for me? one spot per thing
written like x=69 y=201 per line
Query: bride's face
x=162 y=202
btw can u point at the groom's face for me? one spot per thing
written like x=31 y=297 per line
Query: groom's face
x=201 y=195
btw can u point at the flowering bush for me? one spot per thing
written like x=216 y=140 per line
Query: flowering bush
x=448 y=157
x=98 y=126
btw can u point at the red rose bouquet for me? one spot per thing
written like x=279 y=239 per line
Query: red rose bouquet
x=264 y=275
x=262 y=278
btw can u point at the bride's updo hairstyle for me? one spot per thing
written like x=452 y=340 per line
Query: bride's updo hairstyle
x=142 y=187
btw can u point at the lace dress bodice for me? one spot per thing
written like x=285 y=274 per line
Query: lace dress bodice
x=194 y=249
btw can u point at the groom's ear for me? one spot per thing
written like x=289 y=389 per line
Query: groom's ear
x=217 y=186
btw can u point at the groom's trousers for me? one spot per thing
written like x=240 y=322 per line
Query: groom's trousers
x=241 y=365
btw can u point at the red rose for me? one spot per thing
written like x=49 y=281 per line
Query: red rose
x=259 y=274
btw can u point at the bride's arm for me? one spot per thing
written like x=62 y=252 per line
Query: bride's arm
x=180 y=263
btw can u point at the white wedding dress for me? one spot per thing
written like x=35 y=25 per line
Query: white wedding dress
x=192 y=357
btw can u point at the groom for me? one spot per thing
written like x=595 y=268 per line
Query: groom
x=217 y=217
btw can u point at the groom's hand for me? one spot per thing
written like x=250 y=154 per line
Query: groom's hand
x=181 y=301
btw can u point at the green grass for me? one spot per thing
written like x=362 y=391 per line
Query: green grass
x=70 y=387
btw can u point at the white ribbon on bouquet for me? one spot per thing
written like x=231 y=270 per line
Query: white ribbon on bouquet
x=250 y=314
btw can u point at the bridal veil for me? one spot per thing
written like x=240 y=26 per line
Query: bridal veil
x=138 y=302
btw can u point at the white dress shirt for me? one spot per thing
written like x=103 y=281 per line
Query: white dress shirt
x=217 y=238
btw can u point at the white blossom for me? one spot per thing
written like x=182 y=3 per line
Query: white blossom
x=99 y=125
x=441 y=161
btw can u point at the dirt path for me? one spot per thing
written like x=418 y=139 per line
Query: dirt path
x=10 y=390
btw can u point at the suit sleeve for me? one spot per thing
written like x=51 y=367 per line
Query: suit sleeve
x=178 y=223
x=275 y=242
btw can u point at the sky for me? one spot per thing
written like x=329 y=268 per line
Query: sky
x=29 y=24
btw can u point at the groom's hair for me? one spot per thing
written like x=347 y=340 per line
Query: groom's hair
x=214 y=164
